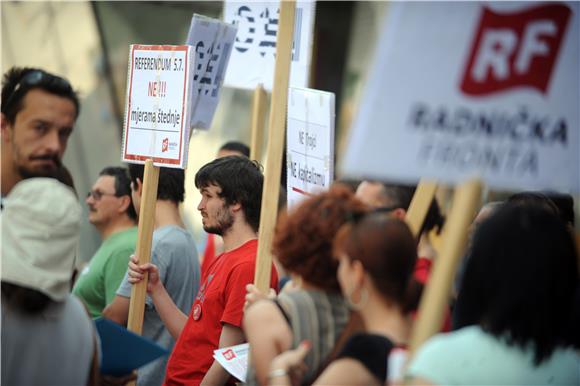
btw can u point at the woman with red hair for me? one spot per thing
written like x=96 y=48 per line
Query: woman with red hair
x=316 y=310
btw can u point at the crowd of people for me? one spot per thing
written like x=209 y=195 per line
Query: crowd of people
x=345 y=286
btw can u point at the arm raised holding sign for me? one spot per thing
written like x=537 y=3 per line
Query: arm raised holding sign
x=230 y=206
x=174 y=255
x=173 y=318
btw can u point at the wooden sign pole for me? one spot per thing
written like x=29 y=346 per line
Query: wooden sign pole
x=258 y=115
x=143 y=250
x=419 y=205
x=277 y=124
x=436 y=294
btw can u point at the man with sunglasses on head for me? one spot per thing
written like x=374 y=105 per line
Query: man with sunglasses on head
x=111 y=211
x=39 y=111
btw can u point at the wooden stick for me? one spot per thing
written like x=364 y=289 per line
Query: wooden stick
x=276 y=128
x=258 y=115
x=436 y=296
x=144 y=238
x=419 y=205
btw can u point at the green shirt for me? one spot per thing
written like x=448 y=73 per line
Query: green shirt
x=99 y=281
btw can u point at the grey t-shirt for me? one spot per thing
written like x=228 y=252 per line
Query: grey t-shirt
x=173 y=251
x=54 y=347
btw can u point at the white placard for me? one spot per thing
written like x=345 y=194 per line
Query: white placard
x=470 y=89
x=253 y=57
x=212 y=42
x=310 y=143
x=234 y=360
x=157 y=116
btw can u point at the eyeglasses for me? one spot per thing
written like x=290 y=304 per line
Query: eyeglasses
x=97 y=195
x=38 y=78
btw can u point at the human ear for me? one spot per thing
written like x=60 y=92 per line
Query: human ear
x=125 y=202
x=236 y=207
x=399 y=213
x=5 y=128
x=139 y=188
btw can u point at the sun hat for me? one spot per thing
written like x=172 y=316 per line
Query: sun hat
x=40 y=236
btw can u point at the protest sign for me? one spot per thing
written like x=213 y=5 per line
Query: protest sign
x=257 y=125
x=157 y=112
x=212 y=42
x=271 y=189
x=143 y=247
x=253 y=56
x=435 y=298
x=310 y=143
x=487 y=90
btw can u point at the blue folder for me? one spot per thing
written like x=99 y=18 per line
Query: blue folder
x=123 y=351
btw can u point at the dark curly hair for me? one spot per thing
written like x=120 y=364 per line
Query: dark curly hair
x=241 y=181
x=18 y=81
x=303 y=239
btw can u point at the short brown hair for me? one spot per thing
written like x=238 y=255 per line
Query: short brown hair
x=303 y=240
x=386 y=248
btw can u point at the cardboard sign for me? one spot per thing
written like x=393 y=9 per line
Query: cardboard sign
x=212 y=42
x=157 y=108
x=310 y=143
x=253 y=57
x=488 y=90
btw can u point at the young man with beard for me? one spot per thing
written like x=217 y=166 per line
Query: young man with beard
x=231 y=189
x=215 y=245
x=173 y=252
x=111 y=211
x=39 y=111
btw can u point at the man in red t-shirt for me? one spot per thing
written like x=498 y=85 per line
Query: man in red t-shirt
x=231 y=189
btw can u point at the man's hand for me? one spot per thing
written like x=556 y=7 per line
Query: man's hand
x=137 y=273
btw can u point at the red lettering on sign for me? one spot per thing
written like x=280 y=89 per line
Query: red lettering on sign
x=515 y=49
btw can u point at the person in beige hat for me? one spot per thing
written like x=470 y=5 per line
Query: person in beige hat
x=47 y=335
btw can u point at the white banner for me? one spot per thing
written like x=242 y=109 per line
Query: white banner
x=310 y=143
x=157 y=116
x=212 y=41
x=460 y=90
x=253 y=57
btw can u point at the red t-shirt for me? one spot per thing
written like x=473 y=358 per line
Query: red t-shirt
x=422 y=272
x=209 y=253
x=220 y=300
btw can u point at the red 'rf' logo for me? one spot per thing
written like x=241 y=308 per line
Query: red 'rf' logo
x=229 y=354
x=165 y=145
x=516 y=49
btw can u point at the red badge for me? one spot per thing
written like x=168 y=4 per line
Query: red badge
x=197 y=311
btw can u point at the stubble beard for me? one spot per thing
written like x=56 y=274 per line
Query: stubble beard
x=224 y=220
x=27 y=172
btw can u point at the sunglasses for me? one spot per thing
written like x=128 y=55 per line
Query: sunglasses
x=38 y=78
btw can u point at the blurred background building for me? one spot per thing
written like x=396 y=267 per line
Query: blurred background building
x=88 y=43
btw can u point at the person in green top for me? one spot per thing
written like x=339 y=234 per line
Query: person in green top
x=111 y=211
